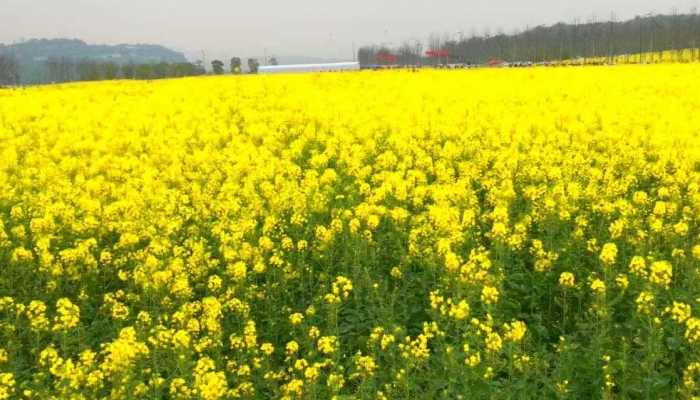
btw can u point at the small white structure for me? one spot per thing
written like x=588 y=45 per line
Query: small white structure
x=325 y=67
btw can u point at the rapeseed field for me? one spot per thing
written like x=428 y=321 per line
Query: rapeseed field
x=480 y=234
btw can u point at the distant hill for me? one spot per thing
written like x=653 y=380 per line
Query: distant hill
x=38 y=50
x=32 y=55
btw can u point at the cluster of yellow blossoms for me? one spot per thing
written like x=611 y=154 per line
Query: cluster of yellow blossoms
x=489 y=234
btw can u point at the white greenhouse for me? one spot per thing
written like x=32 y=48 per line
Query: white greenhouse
x=325 y=67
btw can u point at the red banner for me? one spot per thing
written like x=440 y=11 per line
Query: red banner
x=388 y=58
x=441 y=53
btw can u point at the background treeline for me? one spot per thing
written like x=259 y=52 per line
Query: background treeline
x=38 y=61
x=564 y=41
x=64 y=69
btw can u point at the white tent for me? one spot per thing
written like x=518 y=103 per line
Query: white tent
x=325 y=67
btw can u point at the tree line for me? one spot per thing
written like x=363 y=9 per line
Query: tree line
x=65 y=69
x=236 y=67
x=579 y=39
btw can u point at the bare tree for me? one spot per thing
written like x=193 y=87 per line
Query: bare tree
x=611 y=38
x=434 y=41
x=695 y=33
x=407 y=54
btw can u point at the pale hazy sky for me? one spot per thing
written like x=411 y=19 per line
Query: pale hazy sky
x=324 y=28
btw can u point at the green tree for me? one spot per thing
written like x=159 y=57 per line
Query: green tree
x=218 y=67
x=236 y=65
x=253 y=65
